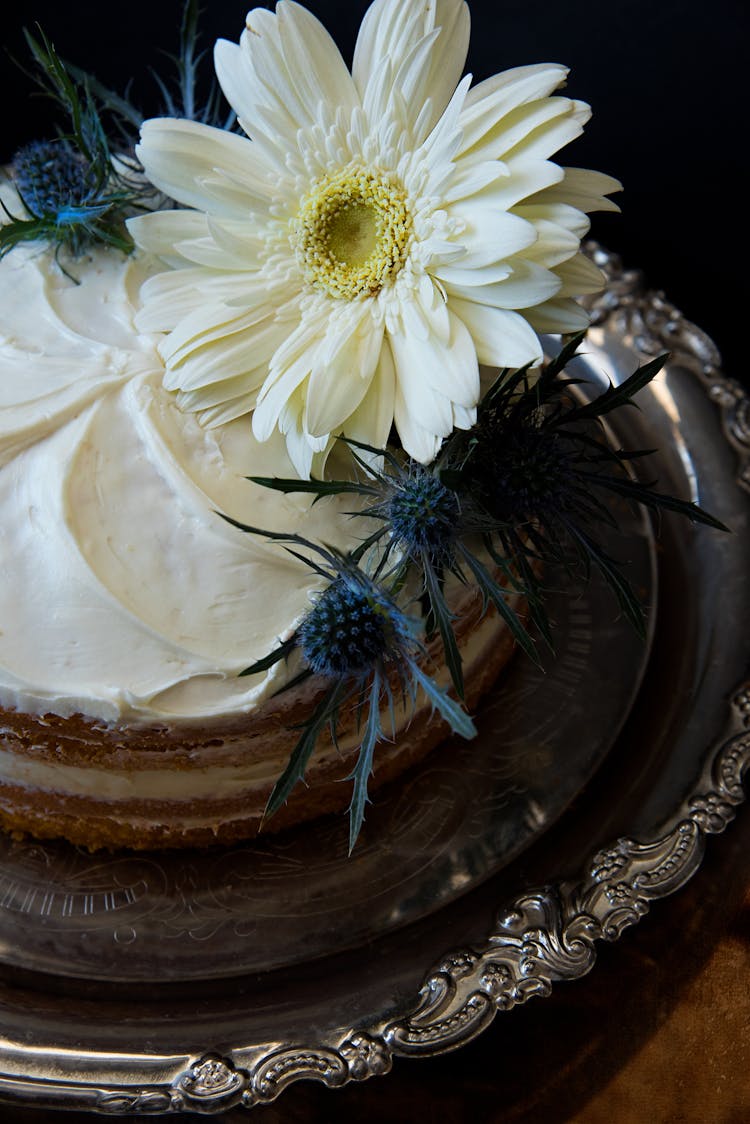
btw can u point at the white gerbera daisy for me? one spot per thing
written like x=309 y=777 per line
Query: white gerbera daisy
x=380 y=234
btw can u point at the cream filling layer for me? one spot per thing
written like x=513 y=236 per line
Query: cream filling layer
x=173 y=785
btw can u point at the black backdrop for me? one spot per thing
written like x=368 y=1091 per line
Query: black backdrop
x=663 y=77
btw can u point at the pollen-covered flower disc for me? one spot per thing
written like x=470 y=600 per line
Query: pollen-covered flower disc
x=376 y=236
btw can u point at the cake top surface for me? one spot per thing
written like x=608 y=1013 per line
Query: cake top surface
x=124 y=596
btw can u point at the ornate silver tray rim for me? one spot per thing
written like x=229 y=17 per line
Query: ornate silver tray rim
x=544 y=936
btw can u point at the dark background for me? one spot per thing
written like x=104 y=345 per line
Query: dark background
x=663 y=76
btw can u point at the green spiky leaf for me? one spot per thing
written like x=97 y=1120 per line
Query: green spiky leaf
x=325 y=712
x=363 y=767
x=283 y=652
x=444 y=619
x=618 y=396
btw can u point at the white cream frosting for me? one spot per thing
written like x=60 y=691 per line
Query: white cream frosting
x=123 y=594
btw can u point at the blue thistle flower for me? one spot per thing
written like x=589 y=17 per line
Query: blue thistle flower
x=353 y=628
x=539 y=464
x=525 y=474
x=52 y=177
x=357 y=637
x=426 y=525
x=424 y=514
x=71 y=191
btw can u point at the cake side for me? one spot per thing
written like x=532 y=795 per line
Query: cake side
x=167 y=787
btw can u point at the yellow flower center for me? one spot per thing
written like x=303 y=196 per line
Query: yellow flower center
x=352 y=233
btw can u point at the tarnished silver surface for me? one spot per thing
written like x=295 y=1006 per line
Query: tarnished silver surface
x=672 y=777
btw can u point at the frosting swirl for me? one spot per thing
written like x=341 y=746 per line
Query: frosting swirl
x=124 y=596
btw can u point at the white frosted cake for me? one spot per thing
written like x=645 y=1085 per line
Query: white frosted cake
x=344 y=267
x=128 y=607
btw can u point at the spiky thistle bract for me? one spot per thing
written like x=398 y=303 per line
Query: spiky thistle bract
x=358 y=638
x=427 y=527
x=538 y=461
x=74 y=191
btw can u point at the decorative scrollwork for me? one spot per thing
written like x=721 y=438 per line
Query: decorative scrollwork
x=365 y=1056
x=282 y=1067
x=741 y=703
x=210 y=1085
x=654 y=325
x=142 y=1103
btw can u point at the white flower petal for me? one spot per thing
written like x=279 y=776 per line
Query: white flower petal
x=561 y=214
x=467 y=179
x=176 y=154
x=240 y=239
x=290 y=367
x=205 y=251
x=528 y=285
x=473 y=276
x=392 y=29
x=419 y=443
x=489 y=236
x=527 y=178
x=412 y=359
x=225 y=393
x=212 y=322
x=449 y=57
x=433 y=311
x=243 y=352
x=491 y=100
x=250 y=99
x=431 y=375
x=444 y=141
x=170 y=297
x=287 y=64
x=502 y=338
x=548 y=137
x=314 y=61
x=579 y=275
x=157 y=233
x=580 y=188
x=545 y=125
x=371 y=422
x=408 y=86
x=388 y=32
x=463 y=418
x=261 y=44
x=553 y=246
x=238 y=82
x=342 y=374
x=558 y=317
x=231 y=407
x=300 y=448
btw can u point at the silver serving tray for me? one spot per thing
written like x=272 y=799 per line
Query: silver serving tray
x=158 y=984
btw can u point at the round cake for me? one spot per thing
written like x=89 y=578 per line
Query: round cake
x=128 y=607
x=319 y=277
